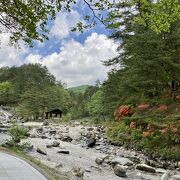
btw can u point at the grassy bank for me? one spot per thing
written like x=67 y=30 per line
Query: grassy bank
x=155 y=131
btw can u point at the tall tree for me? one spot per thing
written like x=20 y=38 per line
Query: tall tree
x=148 y=63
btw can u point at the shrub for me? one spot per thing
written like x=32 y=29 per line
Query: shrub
x=17 y=133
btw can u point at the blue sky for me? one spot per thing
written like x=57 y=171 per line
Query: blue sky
x=73 y=58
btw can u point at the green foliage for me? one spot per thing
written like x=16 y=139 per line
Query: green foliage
x=34 y=102
x=24 y=78
x=95 y=105
x=6 y=89
x=32 y=90
x=158 y=144
x=79 y=106
x=160 y=15
x=147 y=70
x=17 y=133
x=66 y=118
x=27 y=20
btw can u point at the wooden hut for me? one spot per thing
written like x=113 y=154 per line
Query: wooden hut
x=56 y=112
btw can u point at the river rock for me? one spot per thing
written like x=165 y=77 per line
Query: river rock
x=54 y=144
x=33 y=134
x=60 y=165
x=99 y=160
x=91 y=142
x=142 y=177
x=41 y=150
x=63 y=151
x=66 y=138
x=145 y=167
x=45 y=123
x=122 y=161
x=90 y=129
x=58 y=136
x=160 y=170
x=176 y=177
x=51 y=132
x=165 y=176
x=43 y=136
x=39 y=129
x=155 y=164
x=30 y=148
x=3 y=130
x=120 y=170
x=78 y=172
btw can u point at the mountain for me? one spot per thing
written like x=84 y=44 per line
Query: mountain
x=79 y=89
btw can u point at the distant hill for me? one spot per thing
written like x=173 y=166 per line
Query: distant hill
x=79 y=89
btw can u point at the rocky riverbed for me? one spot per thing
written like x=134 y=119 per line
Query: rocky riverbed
x=82 y=152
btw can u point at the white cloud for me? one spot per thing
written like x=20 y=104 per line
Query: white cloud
x=63 y=24
x=10 y=55
x=77 y=63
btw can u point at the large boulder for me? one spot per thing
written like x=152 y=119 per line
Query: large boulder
x=122 y=161
x=120 y=170
x=145 y=167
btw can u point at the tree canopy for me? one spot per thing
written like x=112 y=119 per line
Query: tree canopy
x=28 y=20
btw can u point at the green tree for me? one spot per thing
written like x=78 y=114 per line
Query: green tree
x=34 y=102
x=5 y=91
x=25 y=77
x=147 y=67
x=96 y=105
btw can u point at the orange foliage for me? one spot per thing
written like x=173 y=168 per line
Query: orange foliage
x=143 y=106
x=162 y=107
x=174 y=130
x=133 y=124
x=165 y=96
x=150 y=128
x=178 y=97
x=146 y=133
x=122 y=111
x=164 y=130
